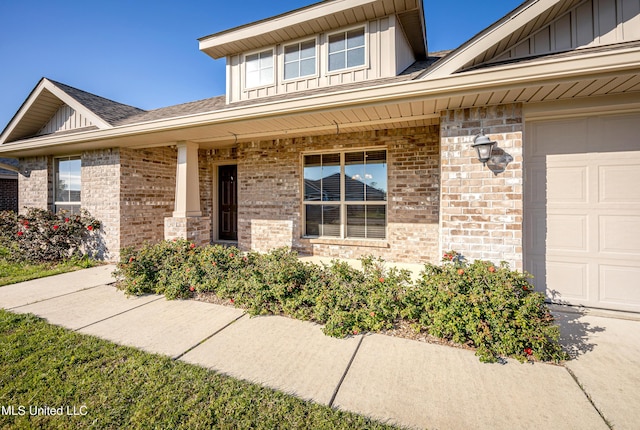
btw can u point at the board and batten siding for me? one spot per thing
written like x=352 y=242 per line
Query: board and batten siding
x=590 y=23
x=65 y=118
x=388 y=53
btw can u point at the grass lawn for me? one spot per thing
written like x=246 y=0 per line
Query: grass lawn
x=10 y=272
x=121 y=387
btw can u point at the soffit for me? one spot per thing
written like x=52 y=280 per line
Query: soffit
x=317 y=18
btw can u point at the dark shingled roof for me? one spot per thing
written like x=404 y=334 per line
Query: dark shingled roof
x=118 y=114
x=108 y=110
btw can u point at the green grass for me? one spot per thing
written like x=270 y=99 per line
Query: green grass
x=122 y=387
x=11 y=272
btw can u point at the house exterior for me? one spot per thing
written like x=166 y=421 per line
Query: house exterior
x=340 y=135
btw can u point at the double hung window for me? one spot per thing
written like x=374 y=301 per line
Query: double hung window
x=345 y=194
x=67 y=187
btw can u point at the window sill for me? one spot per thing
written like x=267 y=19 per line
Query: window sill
x=370 y=243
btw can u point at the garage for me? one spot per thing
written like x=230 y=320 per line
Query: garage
x=582 y=209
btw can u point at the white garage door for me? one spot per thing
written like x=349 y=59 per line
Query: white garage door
x=582 y=210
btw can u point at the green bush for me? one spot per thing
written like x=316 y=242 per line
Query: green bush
x=42 y=236
x=492 y=309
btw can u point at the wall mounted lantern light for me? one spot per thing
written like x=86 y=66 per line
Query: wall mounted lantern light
x=483 y=146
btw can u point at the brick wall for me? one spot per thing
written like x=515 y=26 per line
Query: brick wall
x=101 y=195
x=481 y=211
x=270 y=200
x=147 y=193
x=36 y=185
x=9 y=194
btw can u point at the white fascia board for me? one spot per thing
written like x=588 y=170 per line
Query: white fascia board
x=64 y=97
x=518 y=75
x=489 y=37
x=267 y=26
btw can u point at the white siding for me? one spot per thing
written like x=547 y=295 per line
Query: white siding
x=65 y=119
x=388 y=53
x=591 y=23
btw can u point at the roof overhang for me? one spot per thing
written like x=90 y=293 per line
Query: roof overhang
x=41 y=104
x=612 y=72
x=317 y=18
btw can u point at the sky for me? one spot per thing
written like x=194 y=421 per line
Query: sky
x=145 y=53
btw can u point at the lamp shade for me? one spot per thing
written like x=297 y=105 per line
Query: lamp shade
x=483 y=146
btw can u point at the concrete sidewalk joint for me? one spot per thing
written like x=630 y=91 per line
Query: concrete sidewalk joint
x=177 y=357
x=346 y=370
x=575 y=378
x=116 y=314
x=54 y=297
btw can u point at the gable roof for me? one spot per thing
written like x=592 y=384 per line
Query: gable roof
x=317 y=18
x=514 y=27
x=47 y=98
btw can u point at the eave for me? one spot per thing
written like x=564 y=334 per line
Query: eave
x=317 y=18
x=409 y=103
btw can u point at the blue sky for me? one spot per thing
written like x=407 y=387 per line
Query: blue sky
x=145 y=53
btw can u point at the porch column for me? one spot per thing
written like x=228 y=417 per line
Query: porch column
x=187 y=221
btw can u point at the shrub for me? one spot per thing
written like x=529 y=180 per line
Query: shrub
x=492 y=309
x=41 y=236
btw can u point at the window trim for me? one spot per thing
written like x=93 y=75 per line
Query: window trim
x=365 y=65
x=282 y=63
x=56 y=167
x=244 y=69
x=343 y=203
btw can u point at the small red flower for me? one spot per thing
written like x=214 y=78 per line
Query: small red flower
x=355 y=331
x=381 y=280
x=188 y=269
x=192 y=288
x=460 y=272
x=492 y=269
x=373 y=314
x=66 y=220
x=528 y=351
x=213 y=263
x=131 y=259
x=193 y=245
x=525 y=288
x=245 y=259
x=20 y=233
x=55 y=227
x=231 y=301
x=89 y=227
x=231 y=255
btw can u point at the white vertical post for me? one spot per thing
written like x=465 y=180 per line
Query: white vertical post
x=187 y=202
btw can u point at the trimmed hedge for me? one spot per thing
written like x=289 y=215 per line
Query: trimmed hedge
x=488 y=307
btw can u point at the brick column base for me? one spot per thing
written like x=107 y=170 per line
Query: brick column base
x=194 y=229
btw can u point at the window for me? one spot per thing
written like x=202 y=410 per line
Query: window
x=346 y=49
x=345 y=194
x=259 y=69
x=67 y=184
x=300 y=59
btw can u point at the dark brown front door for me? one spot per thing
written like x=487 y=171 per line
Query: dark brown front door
x=227 y=203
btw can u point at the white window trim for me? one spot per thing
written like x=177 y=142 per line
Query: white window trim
x=244 y=69
x=317 y=66
x=57 y=203
x=325 y=54
x=342 y=202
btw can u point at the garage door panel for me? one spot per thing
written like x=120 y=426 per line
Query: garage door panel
x=614 y=183
x=567 y=281
x=620 y=285
x=567 y=184
x=620 y=234
x=547 y=137
x=567 y=232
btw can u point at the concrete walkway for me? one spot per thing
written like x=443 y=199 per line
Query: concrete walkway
x=400 y=381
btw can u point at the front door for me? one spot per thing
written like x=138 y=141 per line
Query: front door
x=227 y=203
